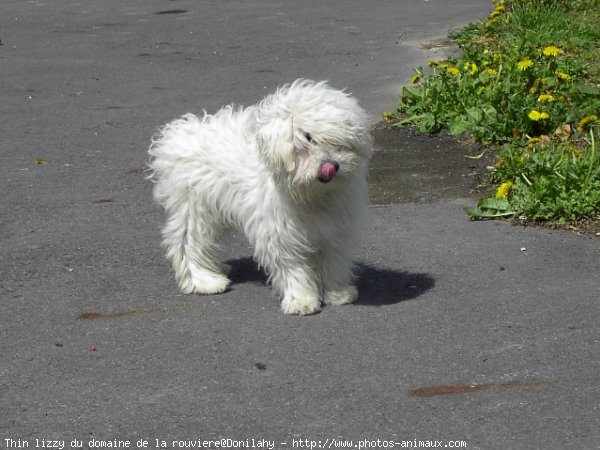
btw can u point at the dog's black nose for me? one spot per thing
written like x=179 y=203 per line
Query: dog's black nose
x=337 y=167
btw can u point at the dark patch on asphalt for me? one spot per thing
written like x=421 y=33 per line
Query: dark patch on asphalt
x=439 y=390
x=128 y=313
x=172 y=11
x=410 y=167
x=108 y=315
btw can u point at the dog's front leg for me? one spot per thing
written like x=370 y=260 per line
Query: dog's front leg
x=300 y=291
x=336 y=275
x=290 y=263
x=296 y=284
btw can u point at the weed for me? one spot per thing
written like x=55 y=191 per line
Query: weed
x=527 y=83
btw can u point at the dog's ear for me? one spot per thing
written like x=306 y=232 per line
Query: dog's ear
x=275 y=139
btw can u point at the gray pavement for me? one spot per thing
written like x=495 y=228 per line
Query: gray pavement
x=482 y=333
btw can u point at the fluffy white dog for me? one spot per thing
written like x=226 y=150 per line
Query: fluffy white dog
x=289 y=172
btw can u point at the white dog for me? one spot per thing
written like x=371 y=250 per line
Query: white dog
x=289 y=172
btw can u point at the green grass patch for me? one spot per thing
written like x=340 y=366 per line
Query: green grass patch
x=526 y=83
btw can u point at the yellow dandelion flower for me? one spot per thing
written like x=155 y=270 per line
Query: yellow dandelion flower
x=415 y=78
x=524 y=64
x=533 y=141
x=551 y=50
x=587 y=122
x=471 y=68
x=433 y=63
x=544 y=98
x=498 y=57
x=537 y=116
x=388 y=116
x=504 y=189
x=563 y=76
x=494 y=14
x=490 y=71
x=453 y=70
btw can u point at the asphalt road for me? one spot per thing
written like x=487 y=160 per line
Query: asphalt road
x=478 y=333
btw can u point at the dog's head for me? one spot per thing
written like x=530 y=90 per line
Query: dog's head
x=312 y=134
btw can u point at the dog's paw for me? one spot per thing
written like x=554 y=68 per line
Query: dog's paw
x=341 y=297
x=205 y=283
x=304 y=306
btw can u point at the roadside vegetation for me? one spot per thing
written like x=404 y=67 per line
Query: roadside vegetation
x=527 y=85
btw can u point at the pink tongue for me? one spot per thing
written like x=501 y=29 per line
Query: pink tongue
x=327 y=171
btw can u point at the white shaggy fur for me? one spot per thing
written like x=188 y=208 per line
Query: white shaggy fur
x=289 y=172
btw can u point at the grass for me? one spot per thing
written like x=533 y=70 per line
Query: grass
x=526 y=84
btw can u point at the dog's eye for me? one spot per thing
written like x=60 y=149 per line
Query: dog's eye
x=308 y=137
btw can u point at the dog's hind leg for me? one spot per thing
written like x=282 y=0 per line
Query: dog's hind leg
x=191 y=239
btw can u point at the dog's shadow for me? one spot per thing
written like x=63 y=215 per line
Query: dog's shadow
x=376 y=286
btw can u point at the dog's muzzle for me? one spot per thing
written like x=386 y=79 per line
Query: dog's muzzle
x=327 y=171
